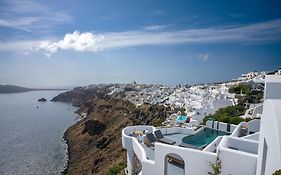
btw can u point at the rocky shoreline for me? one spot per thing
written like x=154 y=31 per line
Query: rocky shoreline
x=66 y=141
x=67 y=154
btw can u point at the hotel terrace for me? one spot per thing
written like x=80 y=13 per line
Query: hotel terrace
x=250 y=148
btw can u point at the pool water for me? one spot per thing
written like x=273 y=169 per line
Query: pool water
x=203 y=137
x=181 y=119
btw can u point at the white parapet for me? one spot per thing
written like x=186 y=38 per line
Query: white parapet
x=272 y=87
x=269 y=159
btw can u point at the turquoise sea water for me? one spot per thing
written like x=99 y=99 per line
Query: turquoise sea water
x=31 y=138
x=203 y=137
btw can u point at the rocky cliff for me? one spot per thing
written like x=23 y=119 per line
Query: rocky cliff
x=94 y=143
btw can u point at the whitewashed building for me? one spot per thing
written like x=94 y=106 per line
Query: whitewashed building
x=251 y=148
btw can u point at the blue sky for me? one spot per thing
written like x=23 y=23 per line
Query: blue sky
x=71 y=43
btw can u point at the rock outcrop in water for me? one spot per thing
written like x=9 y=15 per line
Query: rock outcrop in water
x=42 y=100
x=94 y=143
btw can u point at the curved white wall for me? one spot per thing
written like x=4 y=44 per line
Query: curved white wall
x=270 y=132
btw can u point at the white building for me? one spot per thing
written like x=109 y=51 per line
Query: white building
x=248 y=76
x=252 y=148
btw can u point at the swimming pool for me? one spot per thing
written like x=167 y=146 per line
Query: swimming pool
x=181 y=119
x=203 y=137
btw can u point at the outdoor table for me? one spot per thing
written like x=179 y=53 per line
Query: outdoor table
x=138 y=133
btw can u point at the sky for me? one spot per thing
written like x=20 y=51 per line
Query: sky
x=49 y=44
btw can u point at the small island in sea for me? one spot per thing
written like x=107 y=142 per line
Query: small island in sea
x=42 y=100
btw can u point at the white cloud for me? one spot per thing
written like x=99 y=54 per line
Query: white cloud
x=203 y=57
x=155 y=27
x=73 y=41
x=30 y=15
x=93 y=42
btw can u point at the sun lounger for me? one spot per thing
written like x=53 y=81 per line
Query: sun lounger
x=149 y=139
x=161 y=138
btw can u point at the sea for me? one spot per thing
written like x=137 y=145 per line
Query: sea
x=31 y=133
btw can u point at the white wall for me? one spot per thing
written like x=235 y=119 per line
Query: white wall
x=127 y=140
x=270 y=128
x=213 y=146
x=271 y=132
x=254 y=136
x=236 y=132
x=196 y=161
x=247 y=146
x=236 y=163
x=254 y=125
x=257 y=110
x=221 y=126
x=177 y=130
x=272 y=88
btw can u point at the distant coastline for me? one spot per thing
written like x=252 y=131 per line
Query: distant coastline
x=17 y=89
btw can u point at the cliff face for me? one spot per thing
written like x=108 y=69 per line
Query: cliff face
x=81 y=96
x=95 y=141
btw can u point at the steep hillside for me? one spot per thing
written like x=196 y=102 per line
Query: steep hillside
x=95 y=141
x=12 y=89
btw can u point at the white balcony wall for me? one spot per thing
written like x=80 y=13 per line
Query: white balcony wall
x=257 y=110
x=196 y=161
x=177 y=130
x=236 y=132
x=254 y=126
x=242 y=145
x=254 y=136
x=213 y=146
x=220 y=125
x=270 y=135
x=237 y=163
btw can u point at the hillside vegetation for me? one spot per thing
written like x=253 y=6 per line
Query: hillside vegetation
x=228 y=114
x=231 y=114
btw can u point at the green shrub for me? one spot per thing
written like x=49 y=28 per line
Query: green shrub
x=159 y=122
x=244 y=88
x=277 y=172
x=216 y=167
x=228 y=114
x=116 y=169
x=251 y=96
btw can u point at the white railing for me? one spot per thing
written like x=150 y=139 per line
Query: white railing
x=254 y=125
x=254 y=136
x=126 y=132
x=240 y=145
x=236 y=152
x=221 y=126
x=212 y=147
x=235 y=162
x=237 y=131
x=130 y=143
x=177 y=130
